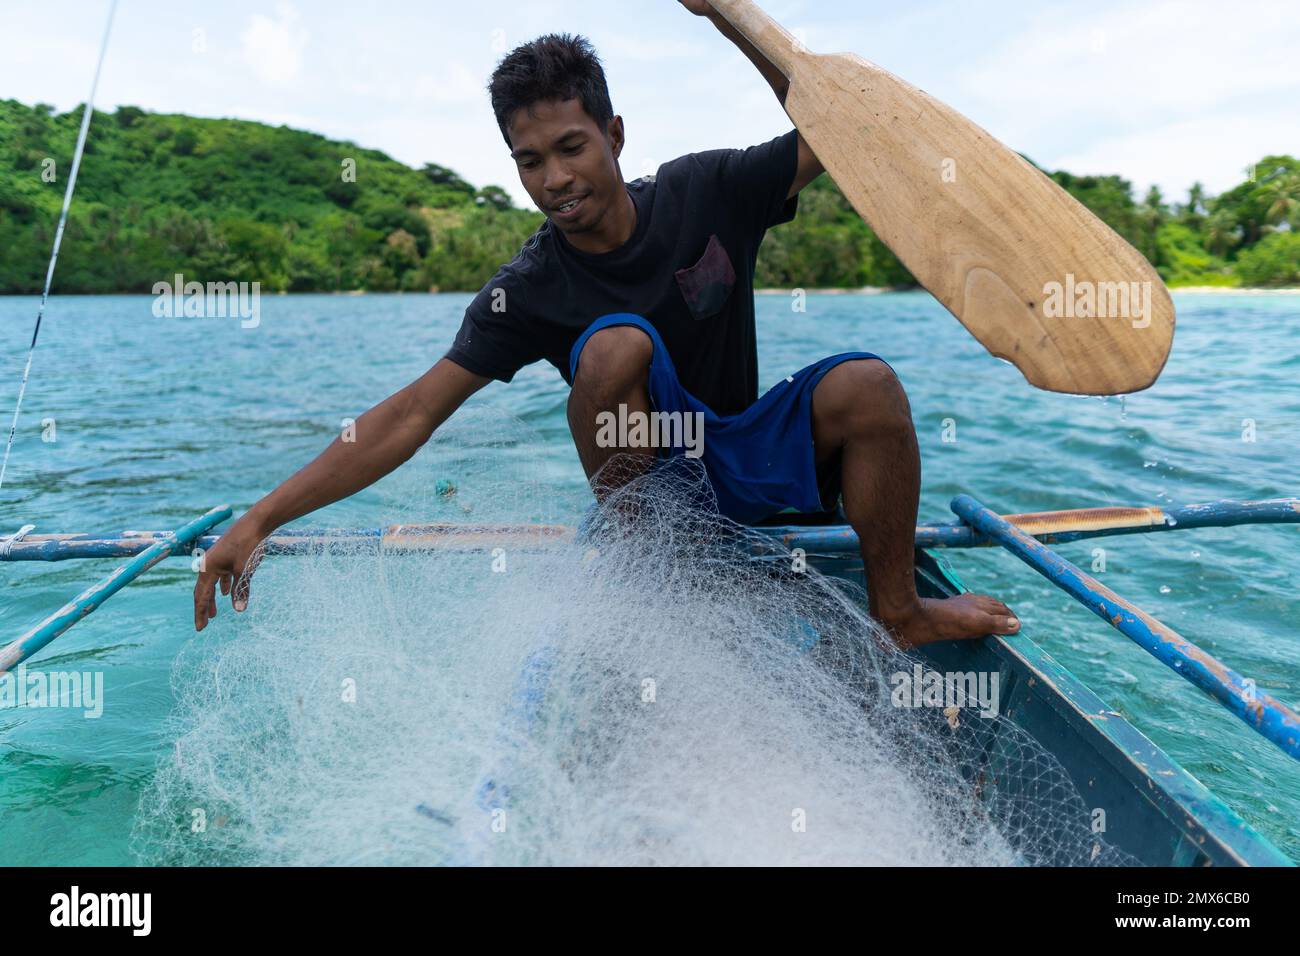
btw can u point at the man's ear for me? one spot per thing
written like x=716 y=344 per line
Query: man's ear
x=614 y=131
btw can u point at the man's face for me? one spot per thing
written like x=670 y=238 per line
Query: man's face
x=563 y=157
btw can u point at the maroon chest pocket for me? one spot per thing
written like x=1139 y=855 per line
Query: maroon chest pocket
x=708 y=284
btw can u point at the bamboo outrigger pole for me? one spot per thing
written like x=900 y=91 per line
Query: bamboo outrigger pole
x=1050 y=527
x=90 y=599
x=1266 y=715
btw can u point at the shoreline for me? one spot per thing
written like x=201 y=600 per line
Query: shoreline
x=1233 y=290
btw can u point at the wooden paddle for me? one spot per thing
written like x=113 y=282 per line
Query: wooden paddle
x=1033 y=275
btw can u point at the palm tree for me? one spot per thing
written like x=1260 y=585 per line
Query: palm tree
x=1192 y=215
x=1222 y=232
x=1154 y=212
x=1282 y=198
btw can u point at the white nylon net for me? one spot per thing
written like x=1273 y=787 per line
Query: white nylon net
x=649 y=696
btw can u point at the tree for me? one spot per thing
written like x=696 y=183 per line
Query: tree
x=184 y=142
x=493 y=196
x=1273 y=261
x=1154 y=212
x=341 y=192
x=1183 y=260
x=128 y=116
x=15 y=202
x=400 y=253
x=1254 y=203
x=193 y=244
x=1281 y=196
x=392 y=217
x=1192 y=215
x=442 y=176
x=348 y=243
x=1222 y=232
x=255 y=252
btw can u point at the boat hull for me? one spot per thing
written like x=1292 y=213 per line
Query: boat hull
x=1155 y=812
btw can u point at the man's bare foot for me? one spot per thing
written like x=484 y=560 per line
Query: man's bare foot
x=953 y=619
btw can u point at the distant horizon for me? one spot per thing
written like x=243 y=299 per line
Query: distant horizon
x=1096 y=89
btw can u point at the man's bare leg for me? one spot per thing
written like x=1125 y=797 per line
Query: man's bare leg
x=612 y=370
x=860 y=412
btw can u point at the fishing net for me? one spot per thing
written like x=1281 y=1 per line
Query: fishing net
x=670 y=689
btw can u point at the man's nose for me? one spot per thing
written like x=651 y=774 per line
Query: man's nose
x=558 y=178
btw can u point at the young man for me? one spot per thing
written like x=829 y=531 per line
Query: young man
x=642 y=296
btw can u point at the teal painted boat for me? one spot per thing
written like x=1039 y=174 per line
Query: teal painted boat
x=1157 y=813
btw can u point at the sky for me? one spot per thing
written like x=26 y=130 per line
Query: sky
x=1163 y=92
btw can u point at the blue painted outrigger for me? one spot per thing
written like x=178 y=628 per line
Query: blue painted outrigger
x=1157 y=814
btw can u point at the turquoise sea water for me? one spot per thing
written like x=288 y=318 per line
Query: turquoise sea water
x=156 y=420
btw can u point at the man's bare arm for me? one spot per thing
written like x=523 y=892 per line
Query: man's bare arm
x=386 y=436
x=809 y=167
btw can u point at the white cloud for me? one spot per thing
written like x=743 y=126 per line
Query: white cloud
x=273 y=48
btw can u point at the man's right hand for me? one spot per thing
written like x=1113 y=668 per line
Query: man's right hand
x=384 y=437
x=229 y=563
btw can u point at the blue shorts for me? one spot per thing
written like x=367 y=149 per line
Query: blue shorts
x=759 y=462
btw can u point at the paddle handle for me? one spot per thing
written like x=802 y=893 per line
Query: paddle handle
x=769 y=37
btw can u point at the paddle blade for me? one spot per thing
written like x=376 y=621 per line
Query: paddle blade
x=1032 y=274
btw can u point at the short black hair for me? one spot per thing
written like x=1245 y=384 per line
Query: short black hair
x=558 y=66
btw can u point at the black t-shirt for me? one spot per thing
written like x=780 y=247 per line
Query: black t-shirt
x=688 y=268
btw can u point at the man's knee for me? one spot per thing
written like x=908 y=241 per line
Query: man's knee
x=865 y=395
x=613 y=361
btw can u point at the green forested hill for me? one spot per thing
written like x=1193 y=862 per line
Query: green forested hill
x=228 y=199
x=234 y=200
